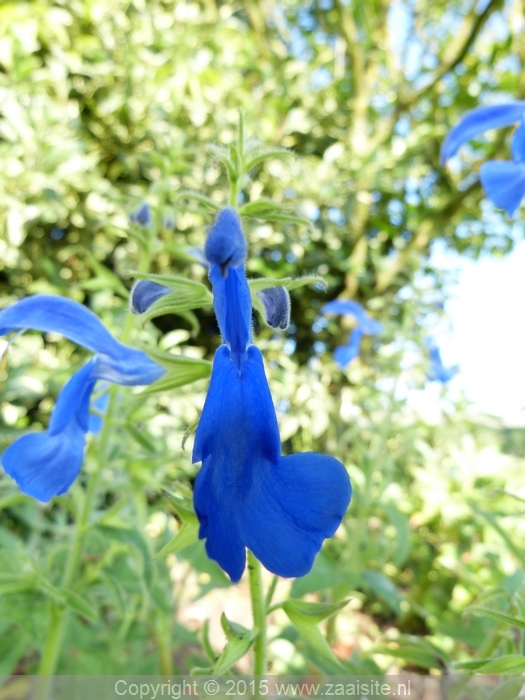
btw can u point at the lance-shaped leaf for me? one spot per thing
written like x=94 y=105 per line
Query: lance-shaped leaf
x=239 y=639
x=305 y=618
x=189 y=528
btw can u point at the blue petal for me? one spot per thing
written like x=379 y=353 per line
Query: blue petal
x=477 y=122
x=143 y=215
x=73 y=401
x=238 y=417
x=349 y=307
x=53 y=314
x=344 y=354
x=232 y=303
x=518 y=144
x=504 y=183
x=345 y=307
x=276 y=302
x=246 y=494
x=46 y=464
x=226 y=244
x=291 y=508
x=144 y=293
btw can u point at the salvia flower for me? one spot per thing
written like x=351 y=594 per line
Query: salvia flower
x=344 y=354
x=502 y=180
x=142 y=216
x=46 y=464
x=437 y=372
x=247 y=495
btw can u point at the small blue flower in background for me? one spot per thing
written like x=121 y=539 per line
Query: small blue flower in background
x=502 y=180
x=437 y=372
x=46 y=464
x=142 y=216
x=246 y=494
x=344 y=354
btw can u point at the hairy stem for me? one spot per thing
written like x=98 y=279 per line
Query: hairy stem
x=259 y=615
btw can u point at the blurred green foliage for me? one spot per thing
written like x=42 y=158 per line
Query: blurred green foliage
x=105 y=103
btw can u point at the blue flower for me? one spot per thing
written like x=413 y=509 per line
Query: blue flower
x=142 y=216
x=437 y=372
x=503 y=181
x=46 y=464
x=247 y=495
x=344 y=354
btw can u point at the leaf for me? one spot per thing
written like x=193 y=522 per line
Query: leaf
x=185 y=374
x=496 y=615
x=305 y=616
x=240 y=640
x=260 y=283
x=104 y=278
x=189 y=530
x=185 y=295
x=400 y=522
x=172 y=362
x=510 y=690
x=279 y=153
x=261 y=208
x=18 y=583
x=197 y=197
x=505 y=664
x=77 y=603
x=384 y=589
x=131 y=536
x=411 y=653
x=188 y=534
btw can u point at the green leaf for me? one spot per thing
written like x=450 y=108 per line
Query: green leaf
x=233 y=630
x=12 y=646
x=201 y=198
x=518 y=553
x=505 y=664
x=260 y=283
x=141 y=438
x=496 y=615
x=77 y=603
x=104 y=278
x=173 y=362
x=307 y=279
x=261 y=208
x=305 y=616
x=131 y=536
x=384 y=589
x=510 y=690
x=185 y=295
x=239 y=641
x=188 y=534
x=221 y=156
x=184 y=370
x=279 y=153
x=470 y=665
x=189 y=530
x=400 y=522
x=411 y=653
x=18 y=583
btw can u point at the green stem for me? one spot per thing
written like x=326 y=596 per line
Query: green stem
x=59 y=613
x=259 y=616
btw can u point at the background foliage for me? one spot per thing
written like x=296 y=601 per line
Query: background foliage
x=106 y=103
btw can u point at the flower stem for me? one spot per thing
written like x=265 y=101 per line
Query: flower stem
x=259 y=615
x=60 y=612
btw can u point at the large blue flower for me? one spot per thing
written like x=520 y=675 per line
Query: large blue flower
x=503 y=181
x=46 y=464
x=247 y=495
x=344 y=354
